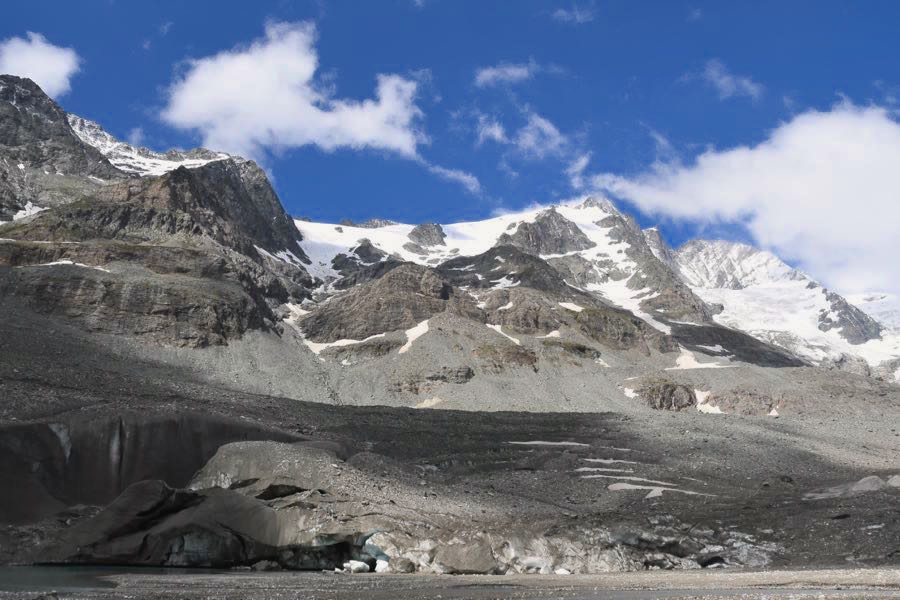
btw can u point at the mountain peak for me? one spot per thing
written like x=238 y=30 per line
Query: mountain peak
x=731 y=265
x=138 y=160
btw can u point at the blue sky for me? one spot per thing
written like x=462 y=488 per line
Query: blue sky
x=623 y=86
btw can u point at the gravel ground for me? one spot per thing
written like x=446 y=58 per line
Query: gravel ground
x=843 y=584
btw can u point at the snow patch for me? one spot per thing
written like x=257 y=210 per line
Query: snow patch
x=552 y=334
x=498 y=329
x=718 y=349
x=687 y=361
x=317 y=347
x=506 y=306
x=571 y=306
x=429 y=403
x=66 y=262
x=703 y=406
x=30 y=209
x=543 y=443
x=629 y=478
x=655 y=491
x=603 y=469
x=630 y=392
x=412 y=334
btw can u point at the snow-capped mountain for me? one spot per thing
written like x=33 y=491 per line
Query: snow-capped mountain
x=141 y=161
x=599 y=250
x=595 y=248
x=778 y=304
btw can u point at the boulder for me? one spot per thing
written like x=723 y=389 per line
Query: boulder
x=663 y=394
x=471 y=558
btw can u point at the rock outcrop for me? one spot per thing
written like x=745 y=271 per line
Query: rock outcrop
x=550 y=233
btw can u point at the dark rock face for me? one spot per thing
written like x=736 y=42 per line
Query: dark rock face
x=550 y=233
x=56 y=165
x=524 y=310
x=424 y=382
x=573 y=348
x=505 y=263
x=169 y=309
x=855 y=326
x=363 y=256
x=663 y=394
x=400 y=299
x=741 y=346
x=225 y=201
x=618 y=328
x=428 y=234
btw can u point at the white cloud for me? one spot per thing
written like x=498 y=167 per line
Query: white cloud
x=136 y=136
x=51 y=67
x=821 y=190
x=265 y=97
x=489 y=128
x=467 y=180
x=576 y=15
x=729 y=85
x=539 y=138
x=576 y=169
x=505 y=73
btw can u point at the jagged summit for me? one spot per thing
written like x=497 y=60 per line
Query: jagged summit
x=138 y=160
x=731 y=265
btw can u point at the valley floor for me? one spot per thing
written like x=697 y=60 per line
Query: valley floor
x=102 y=584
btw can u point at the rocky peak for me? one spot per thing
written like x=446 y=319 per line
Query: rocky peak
x=138 y=160
x=660 y=248
x=602 y=203
x=855 y=326
x=428 y=234
x=549 y=233
x=44 y=162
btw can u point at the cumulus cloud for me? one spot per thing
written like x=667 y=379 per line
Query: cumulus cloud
x=576 y=15
x=265 y=97
x=728 y=85
x=51 y=67
x=821 y=190
x=505 y=73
